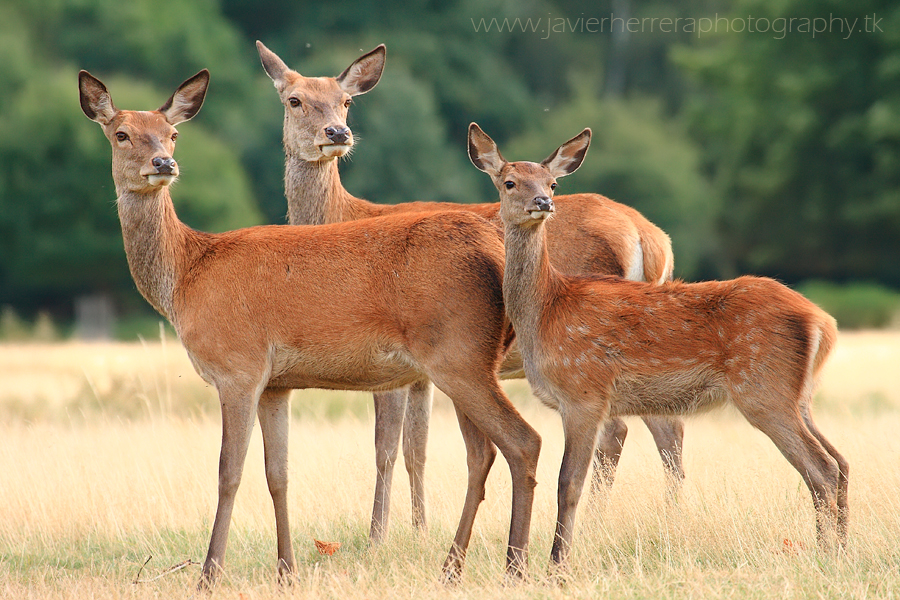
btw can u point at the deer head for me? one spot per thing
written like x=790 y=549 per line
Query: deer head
x=315 y=108
x=142 y=141
x=526 y=188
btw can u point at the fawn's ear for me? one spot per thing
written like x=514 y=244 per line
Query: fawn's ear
x=568 y=157
x=187 y=99
x=483 y=152
x=96 y=102
x=364 y=73
x=275 y=68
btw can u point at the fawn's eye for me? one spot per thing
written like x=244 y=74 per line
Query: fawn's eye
x=553 y=186
x=509 y=185
x=174 y=136
x=295 y=102
x=348 y=102
x=121 y=136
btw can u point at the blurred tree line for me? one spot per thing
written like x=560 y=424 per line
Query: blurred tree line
x=765 y=152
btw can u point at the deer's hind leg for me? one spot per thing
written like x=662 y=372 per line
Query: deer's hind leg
x=610 y=442
x=843 y=487
x=788 y=430
x=480 y=455
x=668 y=434
x=491 y=419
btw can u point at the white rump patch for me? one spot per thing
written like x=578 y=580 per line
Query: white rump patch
x=635 y=271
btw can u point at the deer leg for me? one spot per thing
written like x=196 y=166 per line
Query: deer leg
x=490 y=414
x=238 y=414
x=415 y=441
x=389 y=409
x=668 y=433
x=609 y=450
x=581 y=433
x=843 y=488
x=818 y=468
x=274 y=414
x=480 y=455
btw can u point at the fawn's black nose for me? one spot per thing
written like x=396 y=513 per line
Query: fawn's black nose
x=337 y=135
x=543 y=203
x=163 y=165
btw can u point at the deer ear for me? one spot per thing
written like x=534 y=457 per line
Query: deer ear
x=96 y=102
x=483 y=152
x=569 y=156
x=187 y=99
x=275 y=68
x=364 y=73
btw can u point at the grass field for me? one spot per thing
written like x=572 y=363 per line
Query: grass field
x=108 y=456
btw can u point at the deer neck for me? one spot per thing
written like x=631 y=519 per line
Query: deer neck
x=528 y=283
x=315 y=195
x=155 y=245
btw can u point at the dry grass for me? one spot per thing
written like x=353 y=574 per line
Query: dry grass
x=108 y=455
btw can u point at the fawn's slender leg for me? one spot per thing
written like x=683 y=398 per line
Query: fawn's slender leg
x=580 y=429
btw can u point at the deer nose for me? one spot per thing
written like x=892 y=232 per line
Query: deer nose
x=543 y=203
x=163 y=165
x=337 y=135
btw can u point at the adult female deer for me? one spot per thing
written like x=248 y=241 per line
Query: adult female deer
x=599 y=347
x=592 y=235
x=371 y=305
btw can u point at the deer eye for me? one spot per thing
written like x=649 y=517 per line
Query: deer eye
x=553 y=186
x=121 y=136
x=174 y=136
x=294 y=102
x=509 y=185
x=348 y=102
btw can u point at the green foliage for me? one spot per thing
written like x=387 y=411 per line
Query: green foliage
x=14 y=329
x=855 y=305
x=415 y=161
x=800 y=138
x=59 y=233
x=142 y=327
x=58 y=236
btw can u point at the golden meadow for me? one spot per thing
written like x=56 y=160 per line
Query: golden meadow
x=109 y=453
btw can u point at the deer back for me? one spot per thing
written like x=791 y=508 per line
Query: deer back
x=679 y=348
x=358 y=305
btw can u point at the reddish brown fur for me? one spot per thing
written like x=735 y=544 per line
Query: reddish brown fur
x=266 y=309
x=591 y=235
x=600 y=347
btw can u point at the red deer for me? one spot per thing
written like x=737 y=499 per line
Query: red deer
x=601 y=347
x=369 y=305
x=591 y=235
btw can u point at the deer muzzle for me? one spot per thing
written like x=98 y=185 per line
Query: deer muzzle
x=540 y=207
x=165 y=165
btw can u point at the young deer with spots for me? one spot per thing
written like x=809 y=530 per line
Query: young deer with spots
x=369 y=305
x=600 y=347
x=591 y=235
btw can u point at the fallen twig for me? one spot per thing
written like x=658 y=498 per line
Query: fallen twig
x=141 y=570
x=172 y=569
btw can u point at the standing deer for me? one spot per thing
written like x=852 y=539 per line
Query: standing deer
x=600 y=347
x=369 y=305
x=591 y=235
